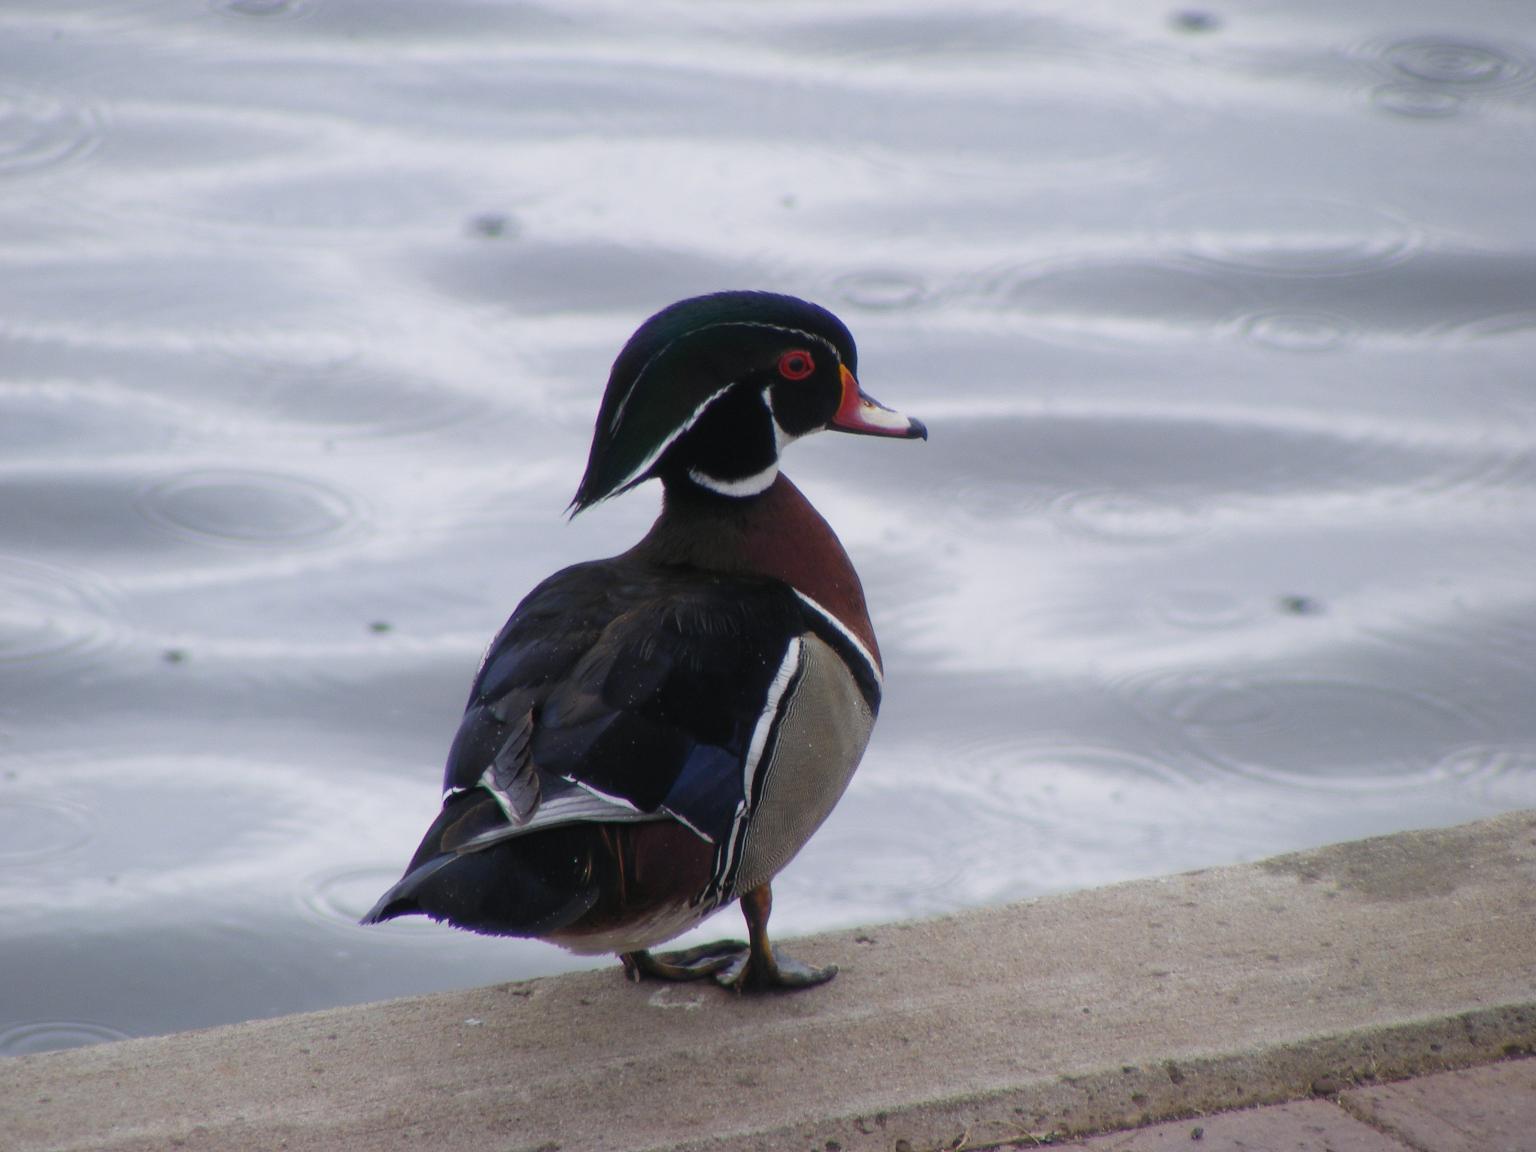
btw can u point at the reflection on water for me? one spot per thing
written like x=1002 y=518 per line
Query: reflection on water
x=1222 y=323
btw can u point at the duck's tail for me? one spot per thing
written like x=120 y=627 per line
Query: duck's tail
x=507 y=888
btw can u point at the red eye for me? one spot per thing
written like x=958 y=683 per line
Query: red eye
x=796 y=365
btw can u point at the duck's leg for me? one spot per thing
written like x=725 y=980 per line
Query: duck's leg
x=747 y=967
x=685 y=964
x=762 y=965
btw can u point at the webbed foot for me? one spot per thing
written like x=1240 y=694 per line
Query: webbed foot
x=762 y=967
x=686 y=963
x=753 y=972
x=754 y=967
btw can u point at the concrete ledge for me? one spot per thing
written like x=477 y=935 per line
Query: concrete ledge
x=1156 y=999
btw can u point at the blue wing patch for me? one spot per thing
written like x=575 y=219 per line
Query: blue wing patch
x=707 y=791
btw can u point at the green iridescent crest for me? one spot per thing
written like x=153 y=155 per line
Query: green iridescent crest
x=677 y=364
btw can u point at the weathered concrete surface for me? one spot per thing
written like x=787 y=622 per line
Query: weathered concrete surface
x=1142 y=1001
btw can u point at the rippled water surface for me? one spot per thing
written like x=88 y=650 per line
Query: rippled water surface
x=1223 y=320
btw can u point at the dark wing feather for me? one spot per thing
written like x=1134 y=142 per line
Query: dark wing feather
x=642 y=685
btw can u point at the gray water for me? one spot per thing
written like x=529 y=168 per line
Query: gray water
x=1223 y=320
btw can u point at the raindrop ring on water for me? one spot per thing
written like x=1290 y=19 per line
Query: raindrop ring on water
x=39 y=131
x=34 y=828
x=1313 y=734
x=342 y=898
x=49 y=613
x=262 y=9
x=1457 y=62
x=1417 y=101
x=1126 y=515
x=251 y=508
x=881 y=291
x=52 y=1035
x=1297 y=331
x=1281 y=234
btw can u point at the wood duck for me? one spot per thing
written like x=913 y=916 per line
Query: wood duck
x=655 y=735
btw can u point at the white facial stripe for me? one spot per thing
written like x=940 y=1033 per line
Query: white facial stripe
x=858 y=645
x=655 y=453
x=781 y=438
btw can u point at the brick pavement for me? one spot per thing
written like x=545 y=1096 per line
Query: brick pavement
x=1488 y=1109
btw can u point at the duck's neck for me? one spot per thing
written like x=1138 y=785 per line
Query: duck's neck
x=775 y=533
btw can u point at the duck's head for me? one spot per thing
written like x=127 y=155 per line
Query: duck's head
x=709 y=391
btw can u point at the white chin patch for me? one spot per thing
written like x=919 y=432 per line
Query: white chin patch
x=746 y=486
